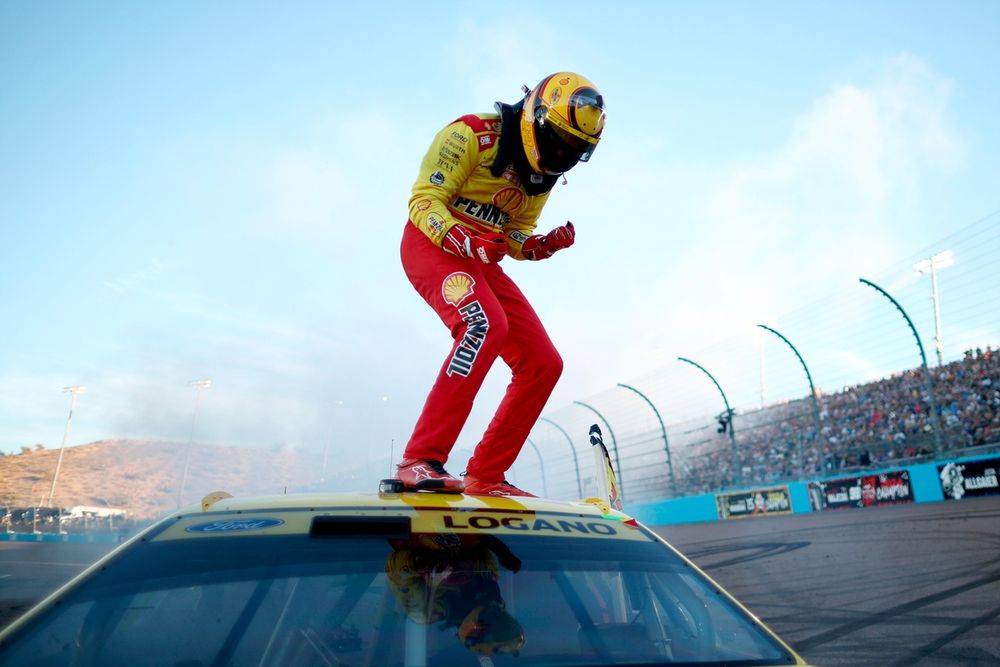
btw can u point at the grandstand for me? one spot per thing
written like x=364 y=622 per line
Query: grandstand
x=917 y=376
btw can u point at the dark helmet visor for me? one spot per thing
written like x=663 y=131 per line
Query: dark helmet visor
x=558 y=148
x=558 y=151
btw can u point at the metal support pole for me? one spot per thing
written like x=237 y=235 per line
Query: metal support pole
x=576 y=462
x=614 y=445
x=763 y=374
x=72 y=391
x=812 y=394
x=541 y=466
x=938 y=343
x=935 y=417
x=729 y=415
x=941 y=260
x=199 y=385
x=663 y=430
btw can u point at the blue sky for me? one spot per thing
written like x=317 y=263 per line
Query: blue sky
x=216 y=190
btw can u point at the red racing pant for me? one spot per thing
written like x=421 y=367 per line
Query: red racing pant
x=488 y=316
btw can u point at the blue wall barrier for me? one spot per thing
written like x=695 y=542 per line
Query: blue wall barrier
x=926 y=483
x=800 y=497
x=692 y=509
x=76 y=538
x=924 y=480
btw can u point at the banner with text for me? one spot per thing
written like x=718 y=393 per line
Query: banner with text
x=887 y=488
x=970 y=479
x=760 y=502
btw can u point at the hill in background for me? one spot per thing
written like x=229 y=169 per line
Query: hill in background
x=144 y=477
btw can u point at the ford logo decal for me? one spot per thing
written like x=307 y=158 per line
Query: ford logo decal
x=233 y=525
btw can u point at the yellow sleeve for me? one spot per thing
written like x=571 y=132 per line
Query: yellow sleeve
x=446 y=166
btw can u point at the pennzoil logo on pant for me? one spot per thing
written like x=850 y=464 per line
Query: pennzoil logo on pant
x=476 y=326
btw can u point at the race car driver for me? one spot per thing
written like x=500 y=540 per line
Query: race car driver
x=477 y=199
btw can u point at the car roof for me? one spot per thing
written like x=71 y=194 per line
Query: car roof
x=221 y=501
x=219 y=514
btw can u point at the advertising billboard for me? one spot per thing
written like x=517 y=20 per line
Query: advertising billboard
x=759 y=502
x=970 y=479
x=886 y=488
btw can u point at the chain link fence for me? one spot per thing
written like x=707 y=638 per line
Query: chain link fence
x=873 y=404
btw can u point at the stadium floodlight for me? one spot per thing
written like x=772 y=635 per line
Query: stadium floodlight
x=72 y=391
x=199 y=386
x=941 y=260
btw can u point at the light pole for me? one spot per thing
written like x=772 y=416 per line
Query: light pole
x=935 y=417
x=729 y=416
x=614 y=444
x=72 y=391
x=663 y=430
x=942 y=260
x=541 y=466
x=199 y=386
x=576 y=461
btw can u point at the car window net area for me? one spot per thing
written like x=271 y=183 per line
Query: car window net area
x=428 y=599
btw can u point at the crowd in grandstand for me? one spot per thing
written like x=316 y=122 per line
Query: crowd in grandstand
x=867 y=425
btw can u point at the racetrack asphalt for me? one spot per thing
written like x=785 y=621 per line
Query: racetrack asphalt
x=889 y=586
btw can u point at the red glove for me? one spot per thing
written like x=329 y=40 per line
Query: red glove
x=543 y=246
x=488 y=248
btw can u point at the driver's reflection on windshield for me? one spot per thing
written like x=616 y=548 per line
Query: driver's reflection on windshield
x=439 y=578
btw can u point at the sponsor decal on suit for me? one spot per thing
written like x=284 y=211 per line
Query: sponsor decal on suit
x=476 y=327
x=489 y=214
x=435 y=223
x=509 y=199
x=456 y=287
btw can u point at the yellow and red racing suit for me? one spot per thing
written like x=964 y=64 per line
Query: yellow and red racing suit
x=456 y=186
x=461 y=182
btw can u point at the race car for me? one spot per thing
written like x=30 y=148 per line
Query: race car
x=392 y=578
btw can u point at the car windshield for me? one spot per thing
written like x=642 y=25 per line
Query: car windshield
x=423 y=599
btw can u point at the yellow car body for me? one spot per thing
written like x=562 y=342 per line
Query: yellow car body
x=407 y=579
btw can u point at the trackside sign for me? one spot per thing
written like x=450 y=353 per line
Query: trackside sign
x=888 y=488
x=760 y=502
x=970 y=479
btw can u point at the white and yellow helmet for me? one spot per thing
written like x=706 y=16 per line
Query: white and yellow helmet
x=561 y=122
